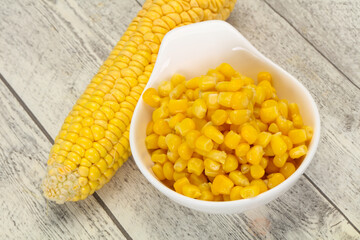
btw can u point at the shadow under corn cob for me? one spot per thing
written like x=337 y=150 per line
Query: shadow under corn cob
x=94 y=139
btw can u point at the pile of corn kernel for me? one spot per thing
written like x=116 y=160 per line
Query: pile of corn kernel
x=221 y=137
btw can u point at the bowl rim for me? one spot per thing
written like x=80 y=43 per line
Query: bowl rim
x=270 y=193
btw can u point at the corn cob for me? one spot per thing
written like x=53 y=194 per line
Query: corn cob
x=94 y=139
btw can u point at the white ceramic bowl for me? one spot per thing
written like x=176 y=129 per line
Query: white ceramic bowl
x=191 y=51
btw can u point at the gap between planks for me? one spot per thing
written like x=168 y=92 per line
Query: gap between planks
x=47 y=135
x=311 y=44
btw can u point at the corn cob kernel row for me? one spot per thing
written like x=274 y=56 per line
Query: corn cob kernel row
x=94 y=139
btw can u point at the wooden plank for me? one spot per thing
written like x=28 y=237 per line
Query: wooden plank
x=333 y=27
x=24 y=213
x=139 y=208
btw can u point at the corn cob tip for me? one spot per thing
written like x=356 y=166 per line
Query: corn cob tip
x=61 y=184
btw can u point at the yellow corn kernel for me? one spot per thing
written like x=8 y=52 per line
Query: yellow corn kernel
x=193 y=83
x=164 y=88
x=239 y=101
x=151 y=141
x=180 y=164
x=273 y=128
x=215 y=73
x=278 y=145
x=238 y=178
x=297 y=120
x=198 y=180
x=275 y=179
x=172 y=156
x=260 y=95
x=283 y=108
x=85 y=162
x=293 y=109
x=180 y=183
x=196 y=166
x=109 y=173
x=149 y=128
x=204 y=143
x=298 y=151
x=232 y=139
x=158 y=171
x=206 y=195
x=227 y=86
x=199 y=108
x=288 y=142
x=226 y=69
x=263 y=139
x=94 y=173
x=231 y=163
x=264 y=76
x=176 y=119
x=184 y=151
x=177 y=91
x=191 y=137
x=261 y=126
x=211 y=100
x=102 y=165
x=219 y=117
x=74 y=157
x=83 y=171
x=78 y=149
x=162 y=143
x=161 y=127
x=177 y=106
x=242 y=149
x=250 y=191
x=185 y=126
x=179 y=175
x=239 y=117
x=269 y=90
x=297 y=136
x=216 y=155
x=257 y=171
x=159 y=156
x=235 y=193
x=224 y=99
x=207 y=83
x=191 y=191
x=151 y=97
x=249 y=133
x=190 y=94
x=92 y=155
x=161 y=112
x=213 y=133
x=173 y=142
x=269 y=114
x=282 y=125
x=309 y=132
x=211 y=165
x=264 y=162
x=255 y=154
x=261 y=184
x=221 y=185
x=177 y=79
x=288 y=169
x=168 y=170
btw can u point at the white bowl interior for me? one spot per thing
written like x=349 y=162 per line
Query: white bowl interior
x=191 y=51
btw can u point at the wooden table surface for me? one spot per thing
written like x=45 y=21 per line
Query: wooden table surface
x=49 y=50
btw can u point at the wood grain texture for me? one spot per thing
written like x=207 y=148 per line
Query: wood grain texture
x=24 y=213
x=50 y=61
x=333 y=27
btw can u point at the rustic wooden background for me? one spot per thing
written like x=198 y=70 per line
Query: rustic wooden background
x=50 y=49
